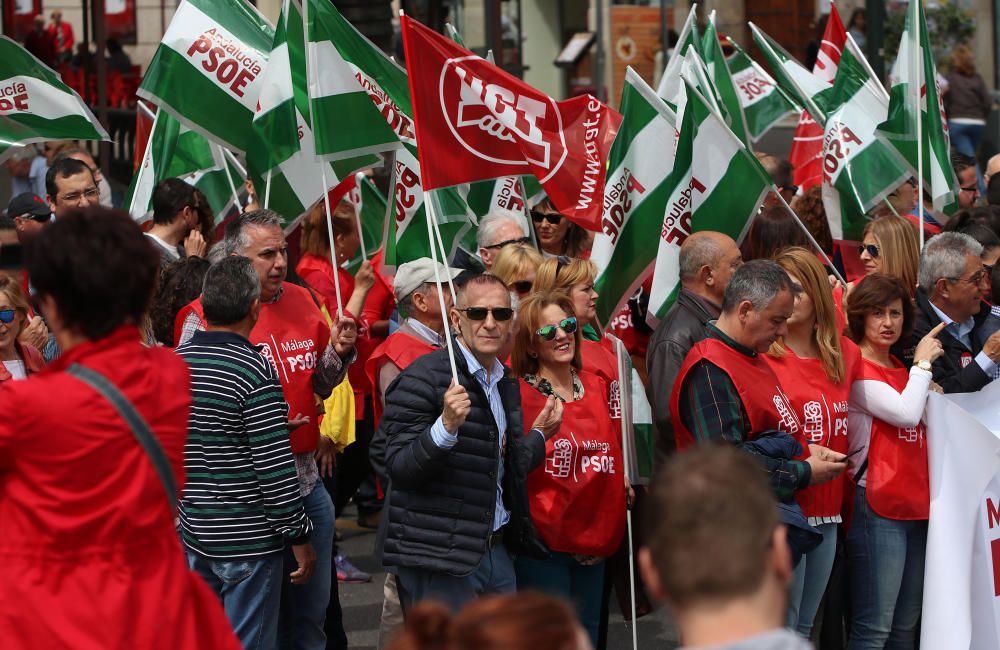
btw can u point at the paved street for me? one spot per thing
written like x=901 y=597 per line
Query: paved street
x=362 y=603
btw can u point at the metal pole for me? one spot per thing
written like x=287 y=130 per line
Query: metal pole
x=875 y=40
x=100 y=35
x=599 y=50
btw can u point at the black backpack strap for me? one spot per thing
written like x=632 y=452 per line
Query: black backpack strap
x=139 y=428
x=861 y=471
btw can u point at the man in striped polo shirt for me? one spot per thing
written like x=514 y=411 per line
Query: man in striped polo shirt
x=241 y=502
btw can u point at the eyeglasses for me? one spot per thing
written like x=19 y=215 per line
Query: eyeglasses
x=519 y=240
x=562 y=261
x=972 y=189
x=974 y=279
x=500 y=314
x=871 y=248
x=548 y=332
x=7 y=315
x=794 y=189
x=41 y=218
x=73 y=197
x=522 y=286
x=988 y=269
x=553 y=218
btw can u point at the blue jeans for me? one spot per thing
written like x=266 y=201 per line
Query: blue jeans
x=250 y=591
x=562 y=576
x=886 y=568
x=809 y=582
x=494 y=575
x=303 y=607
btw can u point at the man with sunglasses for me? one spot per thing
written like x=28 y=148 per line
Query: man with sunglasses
x=496 y=230
x=968 y=184
x=29 y=213
x=70 y=185
x=951 y=282
x=457 y=458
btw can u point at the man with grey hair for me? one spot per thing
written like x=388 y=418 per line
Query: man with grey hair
x=725 y=391
x=707 y=262
x=311 y=358
x=241 y=505
x=27 y=170
x=496 y=230
x=952 y=282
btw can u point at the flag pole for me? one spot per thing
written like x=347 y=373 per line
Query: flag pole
x=358 y=180
x=916 y=66
x=527 y=213
x=809 y=236
x=229 y=178
x=444 y=253
x=620 y=350
x=329 y=232
x=431 y=222
x=267 y=190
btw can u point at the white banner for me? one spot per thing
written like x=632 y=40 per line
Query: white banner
x=962 y=578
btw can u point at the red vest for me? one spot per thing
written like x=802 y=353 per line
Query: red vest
x=577 y=496
x=821 y=407
x=898 y=486
x=401 y=349
x=760 y=391
x=295 y=335
x=600 y=360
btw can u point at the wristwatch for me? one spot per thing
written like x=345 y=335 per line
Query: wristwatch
x=923 y=364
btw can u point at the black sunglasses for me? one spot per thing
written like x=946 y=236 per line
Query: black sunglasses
x=871 y=248
x=508 y=242
x=561 y=261
x=7 y=315
x=548 y=332
x=522 y=286
x=553 y=218
x=500 y=314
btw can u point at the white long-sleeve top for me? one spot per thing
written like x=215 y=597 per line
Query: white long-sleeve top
x=871 y=398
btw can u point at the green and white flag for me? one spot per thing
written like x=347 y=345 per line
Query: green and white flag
x=218 y=189
x=764 y=103
x=859 y=169
x=35 y=105
x=671 y=87
x=353 y=112
x=371 y=207
x=283 y=125
x=716 y=184
x=799 y=83
x=725 y=88
x=916 y=90
x=635 y=196
x=630 y=404
x=209 y=67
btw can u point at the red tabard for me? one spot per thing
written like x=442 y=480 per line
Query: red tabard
x=898 y=486
x=577 y=496
x=599 y=359
x=763 y=399
x=821 y=407
x=401 y=349
x=295 y=335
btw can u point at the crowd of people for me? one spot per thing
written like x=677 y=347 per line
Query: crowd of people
x=474 y=417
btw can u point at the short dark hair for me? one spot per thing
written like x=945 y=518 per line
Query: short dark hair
x=97 y=266
x=65 y=168
x=465 y=281
x=960 y=162
x=772 y=230
x=758 y=281
x=180 y=283
x=170 y=196
x=230 y=288
x=876 y=291
x=709 y=522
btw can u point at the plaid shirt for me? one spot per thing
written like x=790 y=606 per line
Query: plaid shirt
x=711 y=409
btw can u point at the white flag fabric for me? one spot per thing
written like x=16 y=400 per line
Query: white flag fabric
x=962 y=572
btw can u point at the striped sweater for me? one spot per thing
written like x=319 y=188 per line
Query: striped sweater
x=241 y=495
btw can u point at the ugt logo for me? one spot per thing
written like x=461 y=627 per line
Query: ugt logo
x=510 y=122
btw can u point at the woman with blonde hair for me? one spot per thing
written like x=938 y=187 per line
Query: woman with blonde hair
x=19 y=360
x=517 y=265
x=816 y=366
x=576 y=278
x=577 y=496
x=967 y=103
x=889 y=245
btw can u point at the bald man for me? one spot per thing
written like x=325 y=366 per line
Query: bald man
x=992 y=167
x=707 y=261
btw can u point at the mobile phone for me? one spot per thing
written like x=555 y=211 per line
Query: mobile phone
x=844 y=459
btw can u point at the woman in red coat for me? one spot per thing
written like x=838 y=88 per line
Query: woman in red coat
x=577 y=497
x=89 y=557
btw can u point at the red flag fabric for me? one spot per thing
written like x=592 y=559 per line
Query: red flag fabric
x=474 y=122
x=807 y=146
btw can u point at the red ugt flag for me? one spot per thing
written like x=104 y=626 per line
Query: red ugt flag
x=475 y=122
x=807 y=146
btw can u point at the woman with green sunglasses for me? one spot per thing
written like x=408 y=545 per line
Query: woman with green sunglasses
x=18 y=360
x=577 y=496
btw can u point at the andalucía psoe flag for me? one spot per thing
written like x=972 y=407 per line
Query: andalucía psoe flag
x=276 y=118
x=725 y=88
x=799 y=83
x=370 y=205
x=35 y=105
x=351 y=115
x=208 y=69
x=764 y=103
x=859 y=169
x=916 y=90
x=635 y=195
x=716 y=184
x=671 y=85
